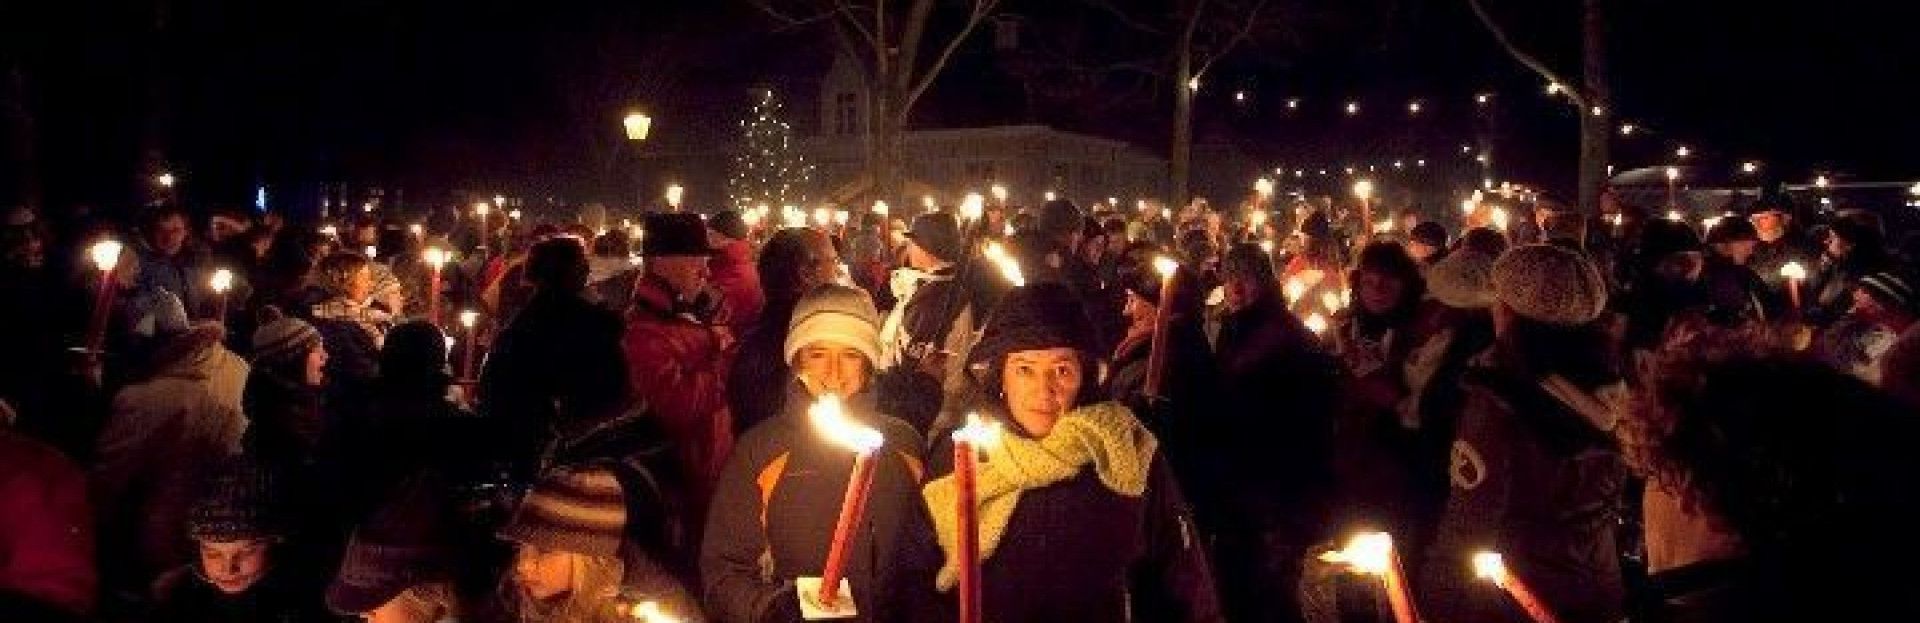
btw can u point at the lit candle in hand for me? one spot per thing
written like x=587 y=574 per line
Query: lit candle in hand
x=1373 y=553
x=1491 y=567
x=829 y=416
x=977 y=435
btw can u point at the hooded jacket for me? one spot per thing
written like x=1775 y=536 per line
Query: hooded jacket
x=1537 y=477
x=165 y=432
x=776 y=507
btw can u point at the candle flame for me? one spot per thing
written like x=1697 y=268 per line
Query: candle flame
x=822 y=216
x=1050 y=195
x=999 y=192
x=105 y=254
x=1500 y=219
x=468 y=318
x=1794 y=271
x=1316 y=323
x=841 y=217
x=674 y=193
x=1009 y=267
x=650 y=612
x=979 y=431
x=1258 y=218
x=1468 y=207
x=1332 y=301
x=880 y=208
x=972 y=207
x=437 y=257
x=1363 y=189
x=1165 y=266
x=1370 y=553
x=418 y=230
x=222 y=280
x=1295 y=289
x=1266 y=246
x=928 y=202
x=830 y=417
x=1264 y=186
x=1491 y=567
x=481 y=208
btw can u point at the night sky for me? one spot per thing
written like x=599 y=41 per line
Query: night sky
x=445 y=96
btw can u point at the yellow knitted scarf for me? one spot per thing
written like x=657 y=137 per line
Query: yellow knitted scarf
x=1106 y=435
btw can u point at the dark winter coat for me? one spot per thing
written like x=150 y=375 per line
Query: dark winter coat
x=757 y=380
x=774 y=513
x=1536 y=479
x=181 y=596
x=1735 y=294
x=285 y=422
x=1178 y=418
x=1279 y=458
x=557 y=364
x=1077 y=551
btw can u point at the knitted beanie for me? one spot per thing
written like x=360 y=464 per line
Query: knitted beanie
x=1550 y=284
x=1463 y=280
x=580 y=511
x=1034 y=317
x=281 y=338
x=837 y=314
x=1892 y=290
x=236 y=505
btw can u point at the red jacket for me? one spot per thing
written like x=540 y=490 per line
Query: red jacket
x=677 y=365
x=734 y=274
x=46 y=526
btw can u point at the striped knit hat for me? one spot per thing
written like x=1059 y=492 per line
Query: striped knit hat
x=580 y=511
x=282 y=338
x=1891 y=289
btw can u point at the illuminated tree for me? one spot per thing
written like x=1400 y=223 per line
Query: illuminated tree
x=768 y=167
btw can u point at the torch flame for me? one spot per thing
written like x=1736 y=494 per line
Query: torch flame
x=822 y=216
x=1009 y=267
x=1370 y=553
x=1316 y=323
x=1332 y=301
x=418 y=230
x=1258 y=218
x=650 y=612
x=222 y=280
x=1263 y=186
x=105 y=254
x=1266 y=246
x=830 y=417
x=1363 y=189
x=880 y=208
x=468 y=318
x=1500 y=219
x=999 y=193
x=437 y=257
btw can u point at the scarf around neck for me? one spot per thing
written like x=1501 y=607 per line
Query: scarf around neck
x=1105 y=435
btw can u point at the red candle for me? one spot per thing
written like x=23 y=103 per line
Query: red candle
x=106 y=256
x=436 y=258
x=1490 y=566
x=828 y=415
x=1373 y=553
x=1162 y=327
x=470 y=319
x=966 y=445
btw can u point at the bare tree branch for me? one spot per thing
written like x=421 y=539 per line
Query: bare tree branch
x=1500 y=35
x=1121 y=17
x=791 y=21
x=1246 y=28
x=981 y=8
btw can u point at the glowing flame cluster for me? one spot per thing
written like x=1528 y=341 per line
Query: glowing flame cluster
x=468 y=318
x=105 y=254
x=972 y=207
x=1491 y=567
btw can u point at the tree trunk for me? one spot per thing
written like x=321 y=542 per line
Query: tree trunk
x=1596 y=130
x=884 y=136
x=1181 y=163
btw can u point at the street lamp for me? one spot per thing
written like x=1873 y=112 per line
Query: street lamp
x=638 y=124
x=166 y=180
x=674 y=193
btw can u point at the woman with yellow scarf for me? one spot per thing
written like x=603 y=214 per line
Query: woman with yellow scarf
x=1080 y=517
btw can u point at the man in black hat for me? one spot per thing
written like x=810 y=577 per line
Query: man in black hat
x=1063 y=225
x=678 y=355
x=1734 y=292
x=1780 y=242
x=927 y=334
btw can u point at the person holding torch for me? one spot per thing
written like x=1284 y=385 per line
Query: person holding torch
x=774 y=516
x=1079 y=516
x=1534 y=469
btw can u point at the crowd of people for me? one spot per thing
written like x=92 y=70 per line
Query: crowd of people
x=575 y=421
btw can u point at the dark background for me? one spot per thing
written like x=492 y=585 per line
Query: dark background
x=437 y=98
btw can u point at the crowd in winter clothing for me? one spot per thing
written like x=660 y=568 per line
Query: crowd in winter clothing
x=1647 y=421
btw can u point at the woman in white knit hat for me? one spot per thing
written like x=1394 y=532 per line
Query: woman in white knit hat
x=1535 y=472
x=777 y=503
